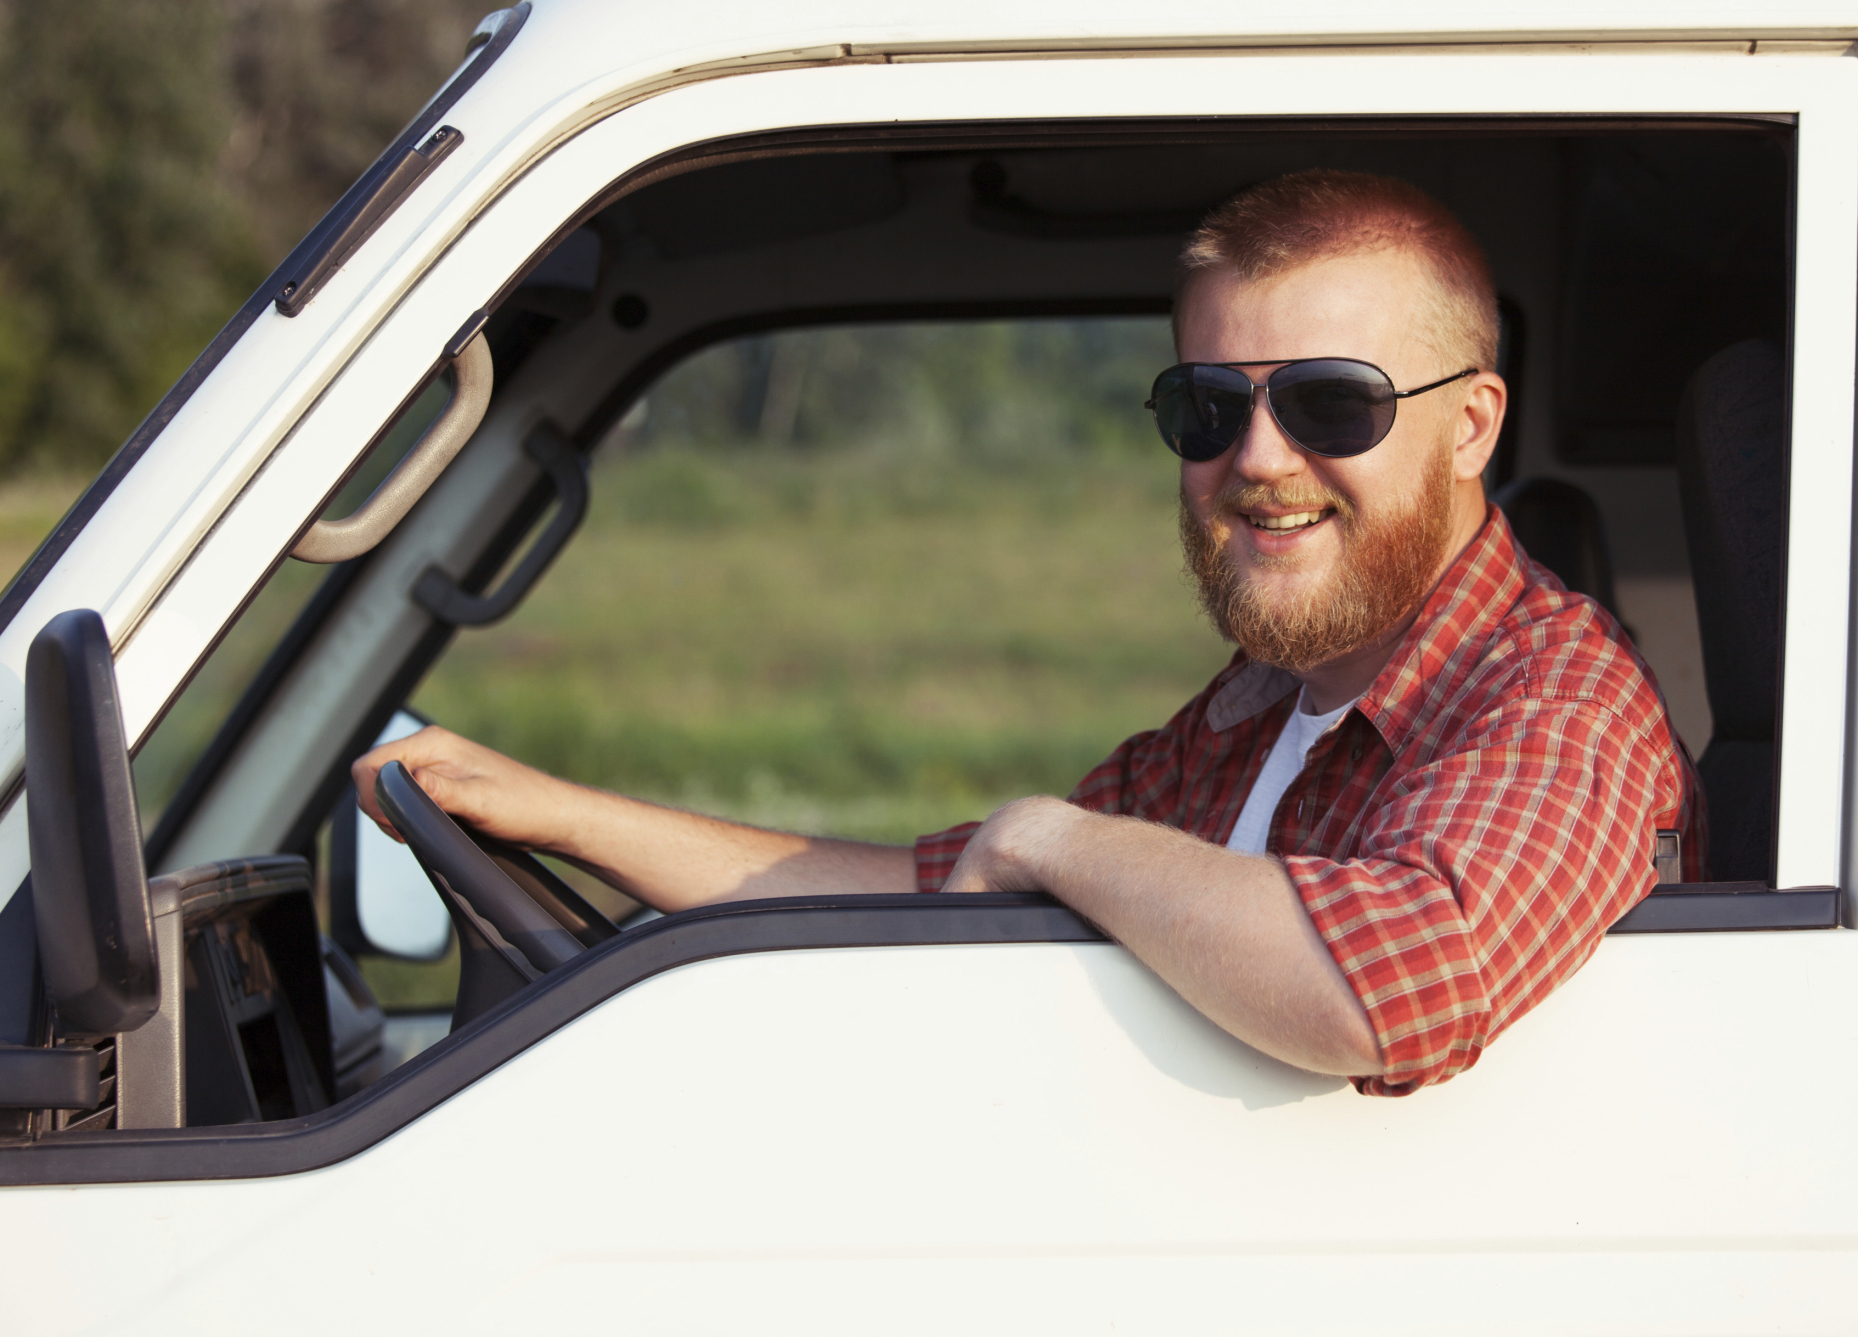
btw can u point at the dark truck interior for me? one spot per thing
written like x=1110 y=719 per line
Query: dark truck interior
x=1645 y=272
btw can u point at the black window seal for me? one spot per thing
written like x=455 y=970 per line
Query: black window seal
x=1731 y=907
x=323 y=235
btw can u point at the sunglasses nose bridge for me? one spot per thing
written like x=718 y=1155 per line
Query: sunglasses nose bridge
x=1266 y=449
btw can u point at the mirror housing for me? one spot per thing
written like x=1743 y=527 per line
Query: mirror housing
x=96 y=930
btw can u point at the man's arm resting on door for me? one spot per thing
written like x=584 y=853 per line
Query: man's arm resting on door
x=1227 y=931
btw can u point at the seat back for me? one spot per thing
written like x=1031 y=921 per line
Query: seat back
x=1731 y=474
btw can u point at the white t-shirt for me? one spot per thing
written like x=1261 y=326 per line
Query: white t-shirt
x=1284 y=764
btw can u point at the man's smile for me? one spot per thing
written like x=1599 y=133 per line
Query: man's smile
x=1294 y=520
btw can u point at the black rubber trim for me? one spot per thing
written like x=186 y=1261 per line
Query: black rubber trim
x=354 y=1125
x=1731 y=907
x=640 y=376
x=21 y=587
x=363 y=219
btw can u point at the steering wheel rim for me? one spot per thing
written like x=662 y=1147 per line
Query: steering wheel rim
x=507 y=939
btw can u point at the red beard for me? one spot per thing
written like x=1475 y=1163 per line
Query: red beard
x=1386 y=567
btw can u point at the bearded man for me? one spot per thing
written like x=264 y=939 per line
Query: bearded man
x=1430 y=777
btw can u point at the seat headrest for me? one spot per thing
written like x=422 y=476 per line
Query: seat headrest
x=1731 y=476
x=1560 y=526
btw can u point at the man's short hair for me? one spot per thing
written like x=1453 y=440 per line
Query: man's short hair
x=1280 y=224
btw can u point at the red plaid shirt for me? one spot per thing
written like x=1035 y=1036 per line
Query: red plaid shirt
x=1464 y=836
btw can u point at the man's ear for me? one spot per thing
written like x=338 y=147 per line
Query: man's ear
x=1479 y=421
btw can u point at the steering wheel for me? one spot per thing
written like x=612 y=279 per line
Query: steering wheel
x=516 y=920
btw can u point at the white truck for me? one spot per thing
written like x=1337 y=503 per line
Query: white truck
x=928 y=1114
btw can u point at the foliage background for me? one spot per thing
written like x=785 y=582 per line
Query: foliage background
x=157 y=159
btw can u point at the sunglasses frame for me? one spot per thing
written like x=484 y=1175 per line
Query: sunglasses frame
x=1281 y=364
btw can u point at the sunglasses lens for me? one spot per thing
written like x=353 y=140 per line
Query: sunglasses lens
x=1201 y=410
x=1333 y=406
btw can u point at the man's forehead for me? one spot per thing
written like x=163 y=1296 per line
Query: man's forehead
x=1361 y=304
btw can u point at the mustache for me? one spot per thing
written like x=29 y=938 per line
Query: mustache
x=1237 y=497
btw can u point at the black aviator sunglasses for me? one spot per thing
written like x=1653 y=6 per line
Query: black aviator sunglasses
x=1330 y=406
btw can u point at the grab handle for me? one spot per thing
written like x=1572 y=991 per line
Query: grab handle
x=566 y=468
x=339 y=540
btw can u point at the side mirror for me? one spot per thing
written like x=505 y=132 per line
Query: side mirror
x=380 y=900
x=89 y=890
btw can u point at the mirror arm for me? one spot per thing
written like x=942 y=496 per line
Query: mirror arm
x=49 y=1079
x=338 y=540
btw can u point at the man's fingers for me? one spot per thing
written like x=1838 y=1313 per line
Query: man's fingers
x=467 y=780
x=431 y=744
x=442 y=789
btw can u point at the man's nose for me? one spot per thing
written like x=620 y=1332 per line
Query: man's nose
x=1264 y=454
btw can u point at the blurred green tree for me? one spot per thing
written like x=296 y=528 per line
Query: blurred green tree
x=157 y=157
x=320 y=87
x=120 y=249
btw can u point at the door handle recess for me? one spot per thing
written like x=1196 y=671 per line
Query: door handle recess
x=339 y=540
x=439 y=594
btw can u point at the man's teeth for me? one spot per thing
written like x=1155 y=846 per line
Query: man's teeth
x=1297 y=521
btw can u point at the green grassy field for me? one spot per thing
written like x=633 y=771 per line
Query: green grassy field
x=29 y=507
x=869 y=581
x=851 y=642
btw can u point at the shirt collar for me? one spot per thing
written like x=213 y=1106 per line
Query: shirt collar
x=1450 y=631
x=1449 y=635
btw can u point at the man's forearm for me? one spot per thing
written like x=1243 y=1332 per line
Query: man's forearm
x=666 y=858
x=673 y=859
x=1227 y=931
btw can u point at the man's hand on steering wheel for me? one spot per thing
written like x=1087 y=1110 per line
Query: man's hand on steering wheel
x=482 y=788
x=665 y=857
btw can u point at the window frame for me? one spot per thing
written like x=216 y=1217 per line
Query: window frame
x=1818 y=96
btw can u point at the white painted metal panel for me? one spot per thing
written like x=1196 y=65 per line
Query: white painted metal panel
x=1045 y=1138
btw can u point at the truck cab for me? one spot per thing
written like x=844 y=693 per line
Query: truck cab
x=919 y=1113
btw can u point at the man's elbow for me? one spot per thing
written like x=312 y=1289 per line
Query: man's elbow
x=1364 y=1053
x=1343 y=1044
x=1333 y=1037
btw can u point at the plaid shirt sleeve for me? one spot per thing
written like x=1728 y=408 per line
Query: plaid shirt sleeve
x=1482 y=880
x=1464 y=838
